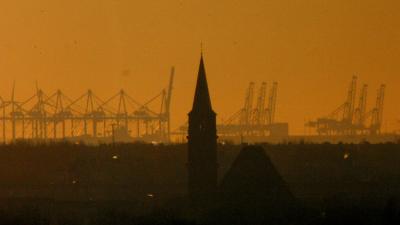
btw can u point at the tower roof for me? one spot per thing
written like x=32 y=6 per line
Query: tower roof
x=202 y=101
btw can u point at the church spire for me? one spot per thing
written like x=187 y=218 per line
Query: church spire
x=202 y=142
x=202 y=101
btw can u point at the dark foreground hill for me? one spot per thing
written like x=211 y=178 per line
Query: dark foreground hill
x=98 y=184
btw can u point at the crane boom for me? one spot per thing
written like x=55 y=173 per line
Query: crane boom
x=377 y=112
x=360 y=112
x=272 y=103
x=248 y=105
x=350 y=101
x=168 y=102
x=259 y=110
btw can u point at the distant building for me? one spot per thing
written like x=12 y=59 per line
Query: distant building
x=253 y=178
x=202 y=142
x=254 y=192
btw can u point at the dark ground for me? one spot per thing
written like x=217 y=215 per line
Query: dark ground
x=146 y=184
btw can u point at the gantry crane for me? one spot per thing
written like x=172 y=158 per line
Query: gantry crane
x=251 y=121
x=246 y=111
x=377 y=111
x=348 y=119
x=259 y=111
x=86 y=117
x=272 y=104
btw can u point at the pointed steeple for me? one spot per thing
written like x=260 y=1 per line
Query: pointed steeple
x=202 y=142
x=202 y=101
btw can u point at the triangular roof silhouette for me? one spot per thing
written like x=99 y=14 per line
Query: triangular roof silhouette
x=253 y=192
x=253 y=177
x=202 y=101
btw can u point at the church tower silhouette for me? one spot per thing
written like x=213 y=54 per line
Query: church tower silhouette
x=202 y=142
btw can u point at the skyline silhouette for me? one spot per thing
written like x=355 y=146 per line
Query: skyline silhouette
x=199 y=182
x=114 y=112
x=311 y=48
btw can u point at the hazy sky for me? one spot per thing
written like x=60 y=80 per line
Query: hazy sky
x=311 y=47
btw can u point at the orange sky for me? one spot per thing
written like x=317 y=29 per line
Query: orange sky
x=312 y=48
